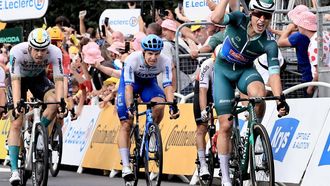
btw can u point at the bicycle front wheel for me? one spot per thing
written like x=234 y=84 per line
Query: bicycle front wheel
x=261 y=158
x=153 y=157
x=134 y=156
x=40 y=156
x=55 y=152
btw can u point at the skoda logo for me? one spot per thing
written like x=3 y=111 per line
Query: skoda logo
x=133 y=21
x=39 y=4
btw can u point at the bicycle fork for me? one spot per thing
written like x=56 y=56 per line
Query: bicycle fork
x=36 y=119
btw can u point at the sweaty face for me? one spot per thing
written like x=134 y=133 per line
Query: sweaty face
x=38 y=55
x=151 y=57
x=260 y=21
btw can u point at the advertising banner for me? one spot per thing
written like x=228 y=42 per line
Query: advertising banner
x=77 y=135
x=4 y=129
x=123 y=20
x=103 y=153
x=11 y=35
x=13 y=10
x=319 y=166
x=293 y=137
x=197 y=9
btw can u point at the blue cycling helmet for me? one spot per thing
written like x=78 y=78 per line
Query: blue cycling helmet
x=152 y=43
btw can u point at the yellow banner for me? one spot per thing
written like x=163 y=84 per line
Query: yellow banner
x=4 y=128
x=2 y=25
x=178 y=142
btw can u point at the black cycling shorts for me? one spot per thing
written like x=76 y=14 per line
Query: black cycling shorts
x=197 y=109
x=37 y=85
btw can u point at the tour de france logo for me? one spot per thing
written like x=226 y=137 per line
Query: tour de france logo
x=39 y=4
x=133 y=21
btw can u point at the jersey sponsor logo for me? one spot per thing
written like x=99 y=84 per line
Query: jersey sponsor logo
x=60 y=65
x=130 y=73
x=204 y=70
x=325 y=158
x=146 y=75
x=167 y=72
x=12 y=62
x=281 y=136
x=237 y=56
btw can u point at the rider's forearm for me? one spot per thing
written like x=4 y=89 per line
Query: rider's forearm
x=128 y=95
x=202 y=98
x=59 y=89
x=16 y=88
x=219 y=12
x=169 y=93
x=275 y=83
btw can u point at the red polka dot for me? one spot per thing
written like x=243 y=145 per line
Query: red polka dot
x=315 y=50
x=313 y=58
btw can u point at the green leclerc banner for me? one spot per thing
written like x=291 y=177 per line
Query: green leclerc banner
x=11 y=35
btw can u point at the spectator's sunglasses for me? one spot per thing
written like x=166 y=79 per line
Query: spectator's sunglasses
x=258 y=14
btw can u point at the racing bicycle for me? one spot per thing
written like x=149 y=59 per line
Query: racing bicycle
x=33 y=159
x=146 y=149
x=252 y=156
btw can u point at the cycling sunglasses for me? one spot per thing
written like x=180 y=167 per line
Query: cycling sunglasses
x=258 y=14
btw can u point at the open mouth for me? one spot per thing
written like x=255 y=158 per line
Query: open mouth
x=260 y=26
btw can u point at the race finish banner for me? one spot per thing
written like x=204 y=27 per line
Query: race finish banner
x=294 y=137
x=123 y=20
x=319 y=166
x=12 y=10
x=11 y=35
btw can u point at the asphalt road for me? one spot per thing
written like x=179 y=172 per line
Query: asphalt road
x=69 y=177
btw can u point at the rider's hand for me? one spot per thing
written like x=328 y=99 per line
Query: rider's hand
x=130 y=112
x=62 y=113
x=204 y=115
x=174 y=112
x=283 y=108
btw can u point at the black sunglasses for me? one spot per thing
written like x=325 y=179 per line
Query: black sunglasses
x=258 y=14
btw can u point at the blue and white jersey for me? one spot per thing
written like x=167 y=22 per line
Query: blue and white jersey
x=136 y=70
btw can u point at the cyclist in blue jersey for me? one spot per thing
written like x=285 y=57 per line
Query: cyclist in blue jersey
x=139 y=76
x=245 y=40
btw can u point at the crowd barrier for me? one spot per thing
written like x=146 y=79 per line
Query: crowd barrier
x=300 y=141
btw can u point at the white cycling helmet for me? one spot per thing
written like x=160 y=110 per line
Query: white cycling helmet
x=267 y=6
x=39 y=38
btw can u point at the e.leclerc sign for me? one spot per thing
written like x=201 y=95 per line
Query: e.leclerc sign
x=11 y=10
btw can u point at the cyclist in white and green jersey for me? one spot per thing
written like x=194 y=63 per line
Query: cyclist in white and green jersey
x=245 y=40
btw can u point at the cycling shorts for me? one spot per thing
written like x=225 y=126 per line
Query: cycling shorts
x=226 y=78
x=147 y=89
x=196 y=106
x=37 y=85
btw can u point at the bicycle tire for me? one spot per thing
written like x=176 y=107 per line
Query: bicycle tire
x=24 y=174
x=261 y=160
x=134 y=155
x=210 y=160
x=55 y=153
x=40 y=156
x=236 y=158
x=153 y=158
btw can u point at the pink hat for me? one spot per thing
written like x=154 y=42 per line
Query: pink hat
x=137 y=41
x=169 y=24
x=295 y=13
x=306 y=20
x=116 y=46
x=92 y=53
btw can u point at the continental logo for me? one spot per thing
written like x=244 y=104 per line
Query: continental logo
x=180 y=138
x=102 y=136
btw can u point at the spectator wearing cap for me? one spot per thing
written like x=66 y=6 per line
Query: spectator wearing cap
x=116 y=50
x=110 y=92
x=291 y=37
x=200 y=33
x=307 y=25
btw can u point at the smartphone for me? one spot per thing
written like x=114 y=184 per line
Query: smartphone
x=103 y=31
x=106 y=21
x=127 y=46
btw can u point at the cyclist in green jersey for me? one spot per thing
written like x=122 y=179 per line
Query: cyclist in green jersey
x=245 y=40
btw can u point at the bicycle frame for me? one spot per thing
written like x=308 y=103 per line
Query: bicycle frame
x=36 y=119
x=248 y=134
